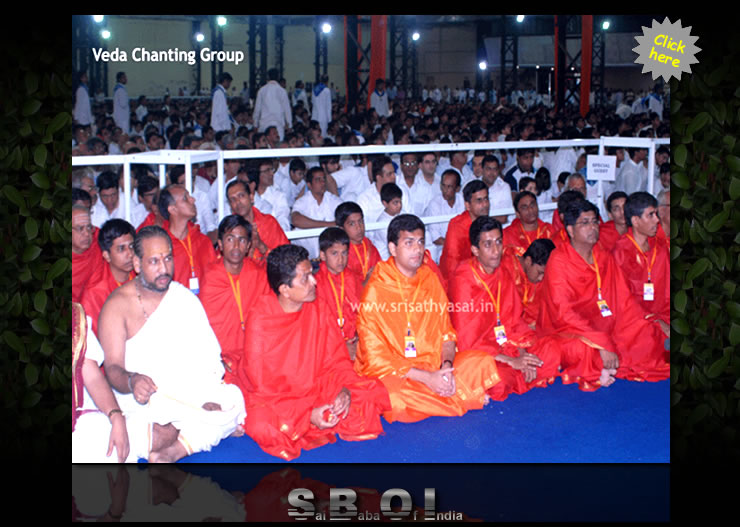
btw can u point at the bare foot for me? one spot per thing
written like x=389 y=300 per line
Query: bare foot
x=487 y=400
x=606 y=378
x=238 y=432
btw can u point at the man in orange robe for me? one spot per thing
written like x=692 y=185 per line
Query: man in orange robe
x=298 y=382
x=116 y=241
x=266 y=231
x=230 y=286
x=526 y=272
x=457 y=242
x=191 y=249
x=644 y=259
x=526 y=227
x=86 y=256
x=362 y=254
x=407 y=339
x=339 y=286
x=487 y=312
x=589 y=312
x=613 y=229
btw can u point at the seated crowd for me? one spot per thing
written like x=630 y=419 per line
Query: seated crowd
x=208 y=329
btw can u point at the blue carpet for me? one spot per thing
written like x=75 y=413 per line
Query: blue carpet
x=627 y=422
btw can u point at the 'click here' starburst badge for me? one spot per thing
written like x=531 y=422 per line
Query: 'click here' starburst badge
x=666 y=49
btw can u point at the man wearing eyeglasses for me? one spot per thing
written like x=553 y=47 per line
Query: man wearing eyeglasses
x=409 y=182
x=590 y=314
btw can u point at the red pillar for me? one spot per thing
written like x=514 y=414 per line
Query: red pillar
x=378 y=34
x=587 y=40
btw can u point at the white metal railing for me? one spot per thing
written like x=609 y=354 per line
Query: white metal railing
x=162 y=158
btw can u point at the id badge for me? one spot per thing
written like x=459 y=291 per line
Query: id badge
x=603 y=308
x=409 y=350
x=194 y=285
x=648 y=291
x=500 y=333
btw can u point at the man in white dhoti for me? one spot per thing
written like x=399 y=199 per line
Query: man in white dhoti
x=164 y=361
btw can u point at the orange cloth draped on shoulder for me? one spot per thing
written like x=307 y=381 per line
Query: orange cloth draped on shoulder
x=635 y=266
x=345 y=293
x=518 y=239
x=382 y=327
x=150 y=220
x=99 y=287
x=362 y=257
x=429 y=262
x=79 y=347
x=560 y=238
x=223 y=310
x=293 y=363
x=528 y=292
x=84 y=265
x=475 y=315
x=269 y=231
x=457 y=244
x=570 y=319
x=608 y=235
x=192 y=254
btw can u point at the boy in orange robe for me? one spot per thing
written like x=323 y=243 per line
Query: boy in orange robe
x=589 y=312
x=191 y=249
x=116 y=242
x=266 y=231
x=229 y=288
x=643 y=258
x=297 y=380
x=526 y=227
x=339 y=286
x=457 y=243
x=362 y=253
x=487 y=312
x=526 y=272
x=407 y=339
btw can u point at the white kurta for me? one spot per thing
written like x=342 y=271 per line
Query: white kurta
x=419 y=194
x=380 y=103
x=351 y=182
x=178 y=350
x=499 y=196
x=310 y=208
x=631 y=177
x=439 y=207
x=379 y=237
x=280 y=207
x=220 y=116
x=321 y=110
x=99 y=214
x=372 y=206
x=82 y=112
x=272 y=108
x=122 y=108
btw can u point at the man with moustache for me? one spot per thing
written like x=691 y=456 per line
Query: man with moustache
x=164 y=362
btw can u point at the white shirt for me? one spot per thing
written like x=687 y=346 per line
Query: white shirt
x=121 y=109
x=321 y=110
x=141 y=112
x=220 y=116
x=272 y=108
x=99 y=214
x=309 y=207
x=205 y=218
x=351 y=182
x=419 y=195
x=82 y=112
x=371 y=204
x=380 y=103
x=288 y=188
x=438 y=206
x=379 y=237
x=280 y=207
x=499 y=195
x=300 y=95
x=632 y=177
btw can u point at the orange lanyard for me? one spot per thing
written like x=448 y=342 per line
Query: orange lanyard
x=497 y=302
x=363 y=260
x=536 y=236
x=652 y=261
x=413 y=301
x=237 y=296
x=595 y=269
x=525 y=281
x=189 y=250
x=338 y=299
